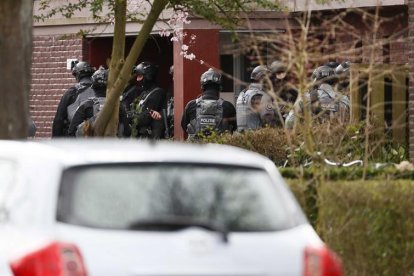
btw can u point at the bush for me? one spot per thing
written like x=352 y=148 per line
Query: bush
x=338 y=143
x=305 y=191
x=369 y=224
x=266 y=141
x=329 y=173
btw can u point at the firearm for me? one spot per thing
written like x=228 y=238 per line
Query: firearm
x=164 y=119
x=191 y=132
x=133 y=113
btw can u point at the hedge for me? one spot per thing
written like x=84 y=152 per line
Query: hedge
x=370 y=224
x=338 y=143
x=387 y=171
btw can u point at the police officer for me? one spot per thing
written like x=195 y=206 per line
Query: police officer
x=208 y=112
x=168 y=109
x=82 y=71
x=285 y=92
x=88 y=110
x=147 y=107
x=131 y=92
x=332 y=64
x=254 y=106
x=343 y=74
x=324 y=103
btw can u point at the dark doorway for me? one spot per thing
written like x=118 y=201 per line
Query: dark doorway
x=158 y=50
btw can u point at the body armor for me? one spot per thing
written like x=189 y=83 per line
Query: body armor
x=98 y=103
x=83 y=93
x=209 y=116
x=269 y=114
x=247 y=116
x=325 y=104
x=330 y=102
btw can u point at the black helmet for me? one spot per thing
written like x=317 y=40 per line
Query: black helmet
x=210 y=77
x=323 y=72
x=82 y=69
x=277 y=67
x=332 y=64
x=259 y=72
x=147 y=69
x=343 y=67
x=100 y=78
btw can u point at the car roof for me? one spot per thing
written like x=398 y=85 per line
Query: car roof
x=86 y=151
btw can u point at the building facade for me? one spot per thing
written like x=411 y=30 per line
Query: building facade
x=339 y=31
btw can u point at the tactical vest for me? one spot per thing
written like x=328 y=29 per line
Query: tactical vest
x=247 y=118
x=98 y=103
x=209 y=116
x=83 y=93
x=137 y=108
x=329 y=100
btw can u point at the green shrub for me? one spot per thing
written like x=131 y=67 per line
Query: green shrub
x=329 y=173
x=369 y=224
x=270 y=142
x=305 y=191
x=337 y=143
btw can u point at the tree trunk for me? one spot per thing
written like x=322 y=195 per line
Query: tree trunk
x=410 y=48
x=15 y=64
x=117 y=60
x=115 y=89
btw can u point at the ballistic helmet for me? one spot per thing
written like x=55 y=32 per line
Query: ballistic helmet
x=323 y=72
x=259 y=72
x=100 y=78
x=210 y=77
x=277 y=67
x=82 y=69
x=343 y=67
x=332 y=64
x=147 y=69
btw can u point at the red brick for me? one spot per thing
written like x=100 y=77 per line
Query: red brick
x=50 y=78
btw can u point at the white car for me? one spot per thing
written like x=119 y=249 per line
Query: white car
x=126 y=207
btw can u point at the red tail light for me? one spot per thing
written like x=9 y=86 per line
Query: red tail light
x=59 y=259
x=320 y=261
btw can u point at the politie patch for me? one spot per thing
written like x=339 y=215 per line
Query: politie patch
x=207 y=121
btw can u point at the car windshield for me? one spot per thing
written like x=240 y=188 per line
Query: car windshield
x=137 y=196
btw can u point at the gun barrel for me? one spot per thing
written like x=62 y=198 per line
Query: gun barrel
x=164 y=118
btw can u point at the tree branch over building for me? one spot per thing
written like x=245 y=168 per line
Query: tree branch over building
x=222 y=12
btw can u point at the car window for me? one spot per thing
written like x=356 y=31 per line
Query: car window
x=116 y=197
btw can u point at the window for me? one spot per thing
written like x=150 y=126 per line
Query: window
x=117 y=197
x=226 y=64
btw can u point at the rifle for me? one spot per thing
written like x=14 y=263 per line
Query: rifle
x=164 y=119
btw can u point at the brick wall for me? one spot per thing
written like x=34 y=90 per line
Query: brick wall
x=346 y=50
x=398 y=51
x=50 y=78
x=410 y=47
